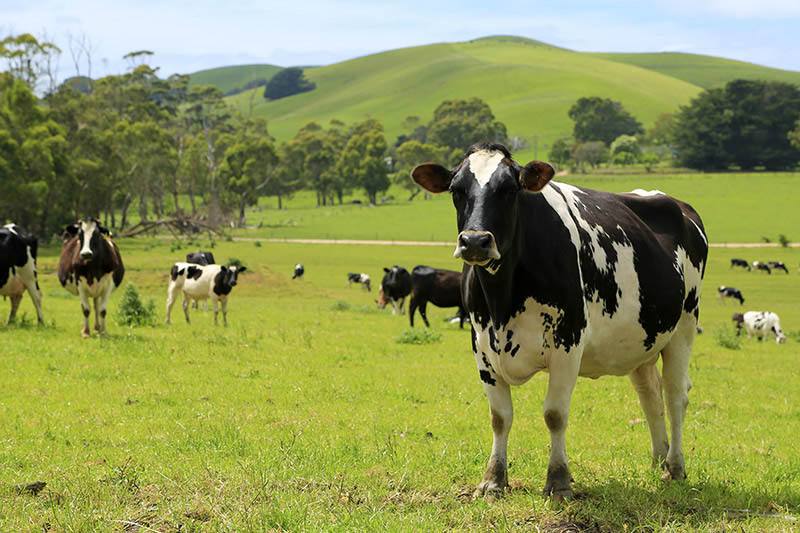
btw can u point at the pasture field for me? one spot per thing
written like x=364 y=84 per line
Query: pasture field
x=736 y=207
x=306 y=414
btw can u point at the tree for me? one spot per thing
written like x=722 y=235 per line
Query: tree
x=561 y=151
x=458 y=124
x=592 y=153
x=29 y=59
x=287 y=82
x=410 y=154
x=701 y=131
x=794 y=136
x=602 y=119
x=363 y=159
x=661 y=133
x=625 y=150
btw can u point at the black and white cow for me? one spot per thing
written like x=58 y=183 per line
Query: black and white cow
x=440 y=287
x=91 y=267
x=730 y=292
x=778 y=265
x=202 y=282
x=200 y=258
x=759 y=324
x=299 y=270
x=740 y=263
x=576 y=282
x=395 y=287
x=18 y=274
x=362 y=279
x=759 y=265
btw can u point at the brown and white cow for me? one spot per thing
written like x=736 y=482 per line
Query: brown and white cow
x=90 y=267
x=18 y=269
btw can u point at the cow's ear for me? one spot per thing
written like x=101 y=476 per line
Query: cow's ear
x=241 y=269
x=535 y=175
x=386 y=270
x=432 y=177
x=70 y=231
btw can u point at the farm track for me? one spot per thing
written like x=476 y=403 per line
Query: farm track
x=443 y=243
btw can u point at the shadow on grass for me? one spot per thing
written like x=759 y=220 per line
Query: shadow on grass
x=615 y=505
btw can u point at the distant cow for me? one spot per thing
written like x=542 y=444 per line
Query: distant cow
x=202 y=282
x=395 y=287
x=758 y=265
x=90 y=267
x=362 y=279
x=200 y=258
x=740 y=263
x=299 y=270
x=777 y=265
x=759 y=324
x=18 y=252
x=730 y=292
x=440 y=287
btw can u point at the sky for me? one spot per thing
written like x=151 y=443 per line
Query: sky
x=190 y=35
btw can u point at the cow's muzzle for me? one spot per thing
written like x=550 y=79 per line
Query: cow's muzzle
x=476 y=247
x=86 y=255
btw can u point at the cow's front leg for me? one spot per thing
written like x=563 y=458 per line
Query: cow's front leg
x=97 y=326
x=186 y=309
x=563 y=369
x=224 y=305
x=498 y=392
x=101 y=311
x=86 y=310
x=215 y=303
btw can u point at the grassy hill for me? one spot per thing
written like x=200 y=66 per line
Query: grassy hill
x=529 y=85
x=700 y=70
x=227 y=78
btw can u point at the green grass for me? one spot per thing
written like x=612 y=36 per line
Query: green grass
x=735 y=208
x=303 y=415
x=232 y=77
x=703 y=71
x=529 y=85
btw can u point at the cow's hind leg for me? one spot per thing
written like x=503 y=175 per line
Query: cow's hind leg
x=563 y=369
x=15 y=301
x=676 y=356
x=36 y=296
x=423 y=312
x=498 y=392
x=647 y=382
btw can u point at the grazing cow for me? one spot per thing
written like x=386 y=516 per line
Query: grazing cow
x=740 y=263
x=395 y=287
x=777 y=265
x=730 y=292
x=18 y=274
x=202 y=282
x=200 y=258
x=440 y=287
x=299 y=270
x=576 y=282
x=759 y=324
x=758 y=265
x=90 y=267
x=363 y=279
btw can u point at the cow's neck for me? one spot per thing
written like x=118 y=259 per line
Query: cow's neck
x=497 y=290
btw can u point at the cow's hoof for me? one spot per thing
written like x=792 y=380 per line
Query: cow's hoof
x=673 y=472
x=559 y=484
x=490 y=489
x=85 y=334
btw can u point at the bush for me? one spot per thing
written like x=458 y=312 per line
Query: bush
x=727 y=338
x=784 y=240
x=340 y=305
x=133 y=312
x=419 y=336
x=234 y=262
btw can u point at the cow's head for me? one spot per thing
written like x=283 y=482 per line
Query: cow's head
x=780 y=338
x=89 y=232
x=229 y=276
x=486 y=187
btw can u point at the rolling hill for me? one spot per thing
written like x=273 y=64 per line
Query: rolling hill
x=232 y=77
x=530 y=85
x=700 y=70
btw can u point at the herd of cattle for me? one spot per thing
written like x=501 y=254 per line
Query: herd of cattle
x=555 y=278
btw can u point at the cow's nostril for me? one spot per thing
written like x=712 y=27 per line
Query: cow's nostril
x=484 y=241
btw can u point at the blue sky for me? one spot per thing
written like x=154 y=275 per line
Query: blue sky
x=190 y=35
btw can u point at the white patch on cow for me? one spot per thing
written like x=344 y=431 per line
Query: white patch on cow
x=88 y=227
x=642 y=192
x=483 y=163
x=363 y=278
x=11 y=228
x=597 y=252
x=761 y=324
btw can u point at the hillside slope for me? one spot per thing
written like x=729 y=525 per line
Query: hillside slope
x=232 y=77
x=529 y=85
x=700 y=70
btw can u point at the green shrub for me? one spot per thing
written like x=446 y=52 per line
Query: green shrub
x=133 y=312
x=340 y=305
x=784 y=240
x=419 y=336
x=234 y=262
x=727 y=338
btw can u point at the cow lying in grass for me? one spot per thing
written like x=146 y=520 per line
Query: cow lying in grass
x=199 y=282
x=759 y=324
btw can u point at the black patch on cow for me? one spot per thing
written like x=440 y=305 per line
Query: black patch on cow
x=193 y=272
x=486 y=362
x=103 y=313
x=515 y=350
x=474 y=340
x=691 y=302
x=493 y=340
x=86 y=311
x=487 y=378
